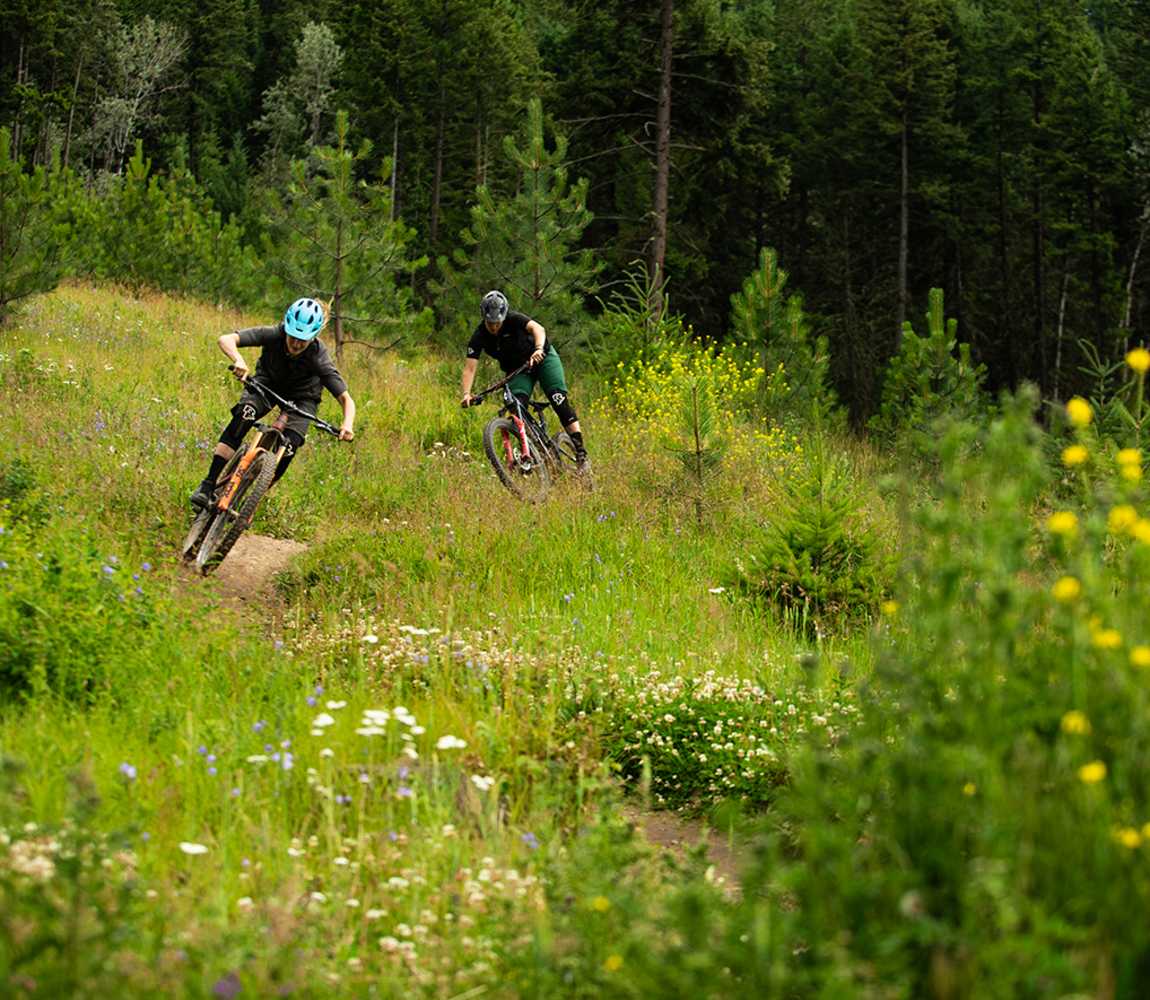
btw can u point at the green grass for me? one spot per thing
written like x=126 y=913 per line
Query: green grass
x=529 y=633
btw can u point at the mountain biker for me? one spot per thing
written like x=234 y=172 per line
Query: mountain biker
x=514 y=339
x=294 y=364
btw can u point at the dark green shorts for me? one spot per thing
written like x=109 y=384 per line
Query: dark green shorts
x=548 y=374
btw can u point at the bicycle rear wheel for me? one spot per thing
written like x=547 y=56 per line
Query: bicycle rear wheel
x=567 y=461
x=229 y=524
x=524 y=475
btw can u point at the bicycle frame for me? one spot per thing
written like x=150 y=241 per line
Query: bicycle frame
x=527 y=427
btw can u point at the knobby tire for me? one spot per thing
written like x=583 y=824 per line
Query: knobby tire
x=533 y=485
x=203 y=519
x=226 y=530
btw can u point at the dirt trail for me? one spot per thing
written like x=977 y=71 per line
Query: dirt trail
x=247 y=573
x=672 y=832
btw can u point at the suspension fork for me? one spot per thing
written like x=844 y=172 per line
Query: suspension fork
x=238 y=477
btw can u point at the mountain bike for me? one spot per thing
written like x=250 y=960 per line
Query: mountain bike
x=242 y=483
x=525 y=455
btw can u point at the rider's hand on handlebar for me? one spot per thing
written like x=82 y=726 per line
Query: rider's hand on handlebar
x=240 y=370
x=346 y=434
x=465 y=402
x=535 y=358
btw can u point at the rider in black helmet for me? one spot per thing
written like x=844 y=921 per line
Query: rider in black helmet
x=512 y=339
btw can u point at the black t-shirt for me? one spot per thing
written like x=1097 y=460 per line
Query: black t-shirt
x=511 y=346
x=297 y=378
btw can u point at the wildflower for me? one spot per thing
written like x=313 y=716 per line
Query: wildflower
x=969 y=789
x=1075 y=723
x=613 y=963
x=889 y=608
x=1128 y=837
x=1121 y=519
x=1092 y=773
x=227 y=987
x=1140 y=657
x=1130 y=456
x=370 y=731
x=482 y=782
x=1066 y=589
x=1141 y=531
x=1064 y=523
x=710 y=590
x=128 y=771
x=450 y=743
x=322 y=720
x=1078 y=411
x=1074 y=455
x=371 y=639
x=189 y=848
x=1131 y=473
x=336 y=705
x=1139 y=360
x=530 y=841
x=1107 y=638
x=600 y=904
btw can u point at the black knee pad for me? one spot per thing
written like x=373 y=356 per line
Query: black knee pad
x=562 y=407
x=294 y=442
x=243 y=416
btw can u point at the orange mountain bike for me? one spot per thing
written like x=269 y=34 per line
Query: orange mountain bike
x=242 y=484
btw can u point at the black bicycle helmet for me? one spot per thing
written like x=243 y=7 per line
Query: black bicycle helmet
x=494 y=306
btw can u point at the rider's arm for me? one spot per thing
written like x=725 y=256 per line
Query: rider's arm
x=469 y=367
x=229 y=344
x=347 y=429
x=540 y=334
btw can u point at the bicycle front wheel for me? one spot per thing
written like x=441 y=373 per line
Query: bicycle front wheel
x=523 y=473
x=203 y=518
x=229 y=524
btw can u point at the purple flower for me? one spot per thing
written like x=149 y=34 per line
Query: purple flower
x=567 y=598
x=311 y=701
x=108 y=570
x=201 y=750
x=288 y=762
x=257 y=726
x=285 y=744
x=147 y=567
x=211 y=758
x=403 y=772
x=212 y=771
x=530 y=840
x=228 y=987
x=246 y=863
x=404 y=792
x=319 y=689
x=235 y=793
x=136 y=576
x=128 y=771
x=139 y=592
x=393 y=836
x=278 y=644
x=3 y=564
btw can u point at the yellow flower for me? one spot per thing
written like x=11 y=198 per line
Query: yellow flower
x=1075 y=723
x=1067 y=589
x=1079 y=412
x=1128 y=837
x=1140 y=657
x=1092 y=773
x=1141 y=530
x=1063 y=522
x=1139 y=360
x=1107 y=638
x=600 y=904
x=1131 y=473
x=969 y=789
x=1074 y=455
x=889 y=608
x=613 y=963
x=1121 y=519
x=1130 y=456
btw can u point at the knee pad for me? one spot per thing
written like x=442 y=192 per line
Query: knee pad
x=562 y=407
x=241 y=423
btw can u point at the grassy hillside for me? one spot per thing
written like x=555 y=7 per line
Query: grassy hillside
x=141 y=710
x=922 y=709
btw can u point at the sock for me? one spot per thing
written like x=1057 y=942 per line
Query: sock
x=577 y=440
x=214 y=470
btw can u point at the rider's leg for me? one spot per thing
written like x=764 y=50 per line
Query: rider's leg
x=554 y=383
x=293 y=441
x=245 y=413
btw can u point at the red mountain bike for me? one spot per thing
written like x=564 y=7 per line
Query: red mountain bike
x=525 y=456
x=242 y=484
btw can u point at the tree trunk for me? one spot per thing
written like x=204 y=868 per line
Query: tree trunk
x=1128 y=310
x=903 y=225
x=394 y=170
x=72 y=112
x=662 y=156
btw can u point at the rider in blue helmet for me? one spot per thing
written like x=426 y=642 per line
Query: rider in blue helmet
x=293 y=363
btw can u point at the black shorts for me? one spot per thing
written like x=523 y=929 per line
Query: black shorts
x=252 y=407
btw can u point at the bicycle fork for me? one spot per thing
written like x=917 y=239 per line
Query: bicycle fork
x=521 y=430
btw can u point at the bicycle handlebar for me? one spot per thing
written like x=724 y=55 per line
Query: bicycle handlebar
x=495 y=386
x=285 y=404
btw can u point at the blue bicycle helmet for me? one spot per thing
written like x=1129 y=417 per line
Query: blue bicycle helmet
x=304 y=319
x=494 y=306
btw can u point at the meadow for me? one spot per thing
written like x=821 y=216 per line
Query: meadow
x=404 y=771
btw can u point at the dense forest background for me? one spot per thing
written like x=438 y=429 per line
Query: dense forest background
x=998 y=151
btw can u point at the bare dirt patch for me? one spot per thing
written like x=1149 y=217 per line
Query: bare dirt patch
x=677 y=834
x=248 y=572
